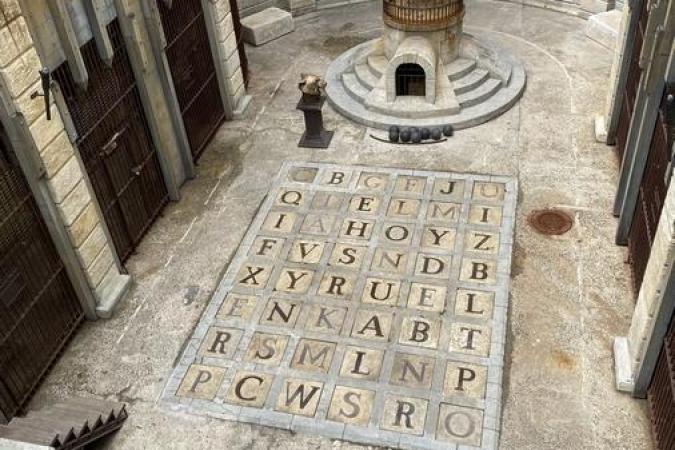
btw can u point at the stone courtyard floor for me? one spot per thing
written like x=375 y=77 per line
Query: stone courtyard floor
x=569 y=295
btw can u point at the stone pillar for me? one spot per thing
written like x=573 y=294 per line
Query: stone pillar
x=633 y=354
x=617 y=81
x=228 y=66
x=173 y=162
x=63 y=172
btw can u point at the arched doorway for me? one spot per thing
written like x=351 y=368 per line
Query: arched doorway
x=410 y=80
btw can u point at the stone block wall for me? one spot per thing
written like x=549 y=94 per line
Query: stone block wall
x=64 y=173
x=227 y=54
x=657 y=275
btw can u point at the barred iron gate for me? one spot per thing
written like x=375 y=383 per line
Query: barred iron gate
x=651 y=198
x=193 y=71
x=39 y=310
x=239 y=35
x=115 y=143
x=661 y=394
x=632 y=83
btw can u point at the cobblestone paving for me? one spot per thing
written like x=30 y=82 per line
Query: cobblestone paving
x=363 y=304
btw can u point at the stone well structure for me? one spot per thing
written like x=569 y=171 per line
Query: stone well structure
x=425 y=71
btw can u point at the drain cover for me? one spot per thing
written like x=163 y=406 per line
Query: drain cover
x=550 y=221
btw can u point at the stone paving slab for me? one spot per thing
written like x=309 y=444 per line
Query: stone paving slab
x=363 y=304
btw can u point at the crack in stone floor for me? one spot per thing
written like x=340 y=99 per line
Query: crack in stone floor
x=364 y=304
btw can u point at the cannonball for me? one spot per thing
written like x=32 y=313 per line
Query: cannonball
x=436 y=134
x=415 y=136
x=413 y=129
x=394 y=133
x=405 y=135
x=425 y=133
x=448 y=130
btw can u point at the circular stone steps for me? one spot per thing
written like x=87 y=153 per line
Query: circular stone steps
x=459 y=67
x=470 y=81
x=377 y=64
x=480 y=94
x=365 y=76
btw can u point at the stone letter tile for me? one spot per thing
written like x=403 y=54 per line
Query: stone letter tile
x=449 y=190
x=470 y=339
x=267 y=349
x=474 y=303
x=351 y=405
x=299 y=397
x=482 y=271
x=493 y=192
x=459 y=425
x=361 y=363
x=361 y=306
x=221 y=342
x=381 y=291
x=201 y=382
x=465 y=380
x=404 y=414
x=412 y=371
x=419 y=331
x=485 y=215
x=249 y=389
x=237 y=306
x=410 y=185
x=280 y=222
x=348 y=256
x=313 y=356
x=372 y=325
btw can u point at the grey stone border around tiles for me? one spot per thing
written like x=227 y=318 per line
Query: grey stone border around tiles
x=373 y=435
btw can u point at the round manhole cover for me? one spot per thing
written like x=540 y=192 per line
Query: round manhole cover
x=551 y=221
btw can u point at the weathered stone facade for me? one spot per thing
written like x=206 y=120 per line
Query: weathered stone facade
x=636 y=354
x=29 y=43
x=226 y=54
x=63 y=170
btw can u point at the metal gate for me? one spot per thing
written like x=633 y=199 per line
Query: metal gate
x=661 y=394
x=239 y=35
x=193 y=71
x=632 y=83
x=651 y=198
x=39 y=310
x=115 y=143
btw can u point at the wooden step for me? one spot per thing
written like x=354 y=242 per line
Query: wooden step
x=72 y=424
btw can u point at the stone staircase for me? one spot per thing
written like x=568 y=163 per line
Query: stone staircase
x=69 y=425
x=355 y=89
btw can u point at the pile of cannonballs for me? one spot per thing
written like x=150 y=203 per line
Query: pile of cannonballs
x=417 y=135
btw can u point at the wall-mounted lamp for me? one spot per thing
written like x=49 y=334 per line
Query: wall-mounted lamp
x=46 y=77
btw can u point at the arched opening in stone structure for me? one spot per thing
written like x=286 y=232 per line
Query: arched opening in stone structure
x=410 y=80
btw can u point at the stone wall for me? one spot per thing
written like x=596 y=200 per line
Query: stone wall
x=64 y=173
x=657 y=276
x=227 y=55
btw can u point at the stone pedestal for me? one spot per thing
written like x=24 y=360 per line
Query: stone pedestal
x=315 y=136
x=266 y=26
x=597 y=6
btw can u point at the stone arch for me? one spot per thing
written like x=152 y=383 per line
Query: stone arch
x=414 y=50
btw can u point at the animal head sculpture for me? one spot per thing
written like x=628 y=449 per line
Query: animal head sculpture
x=312 y=85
